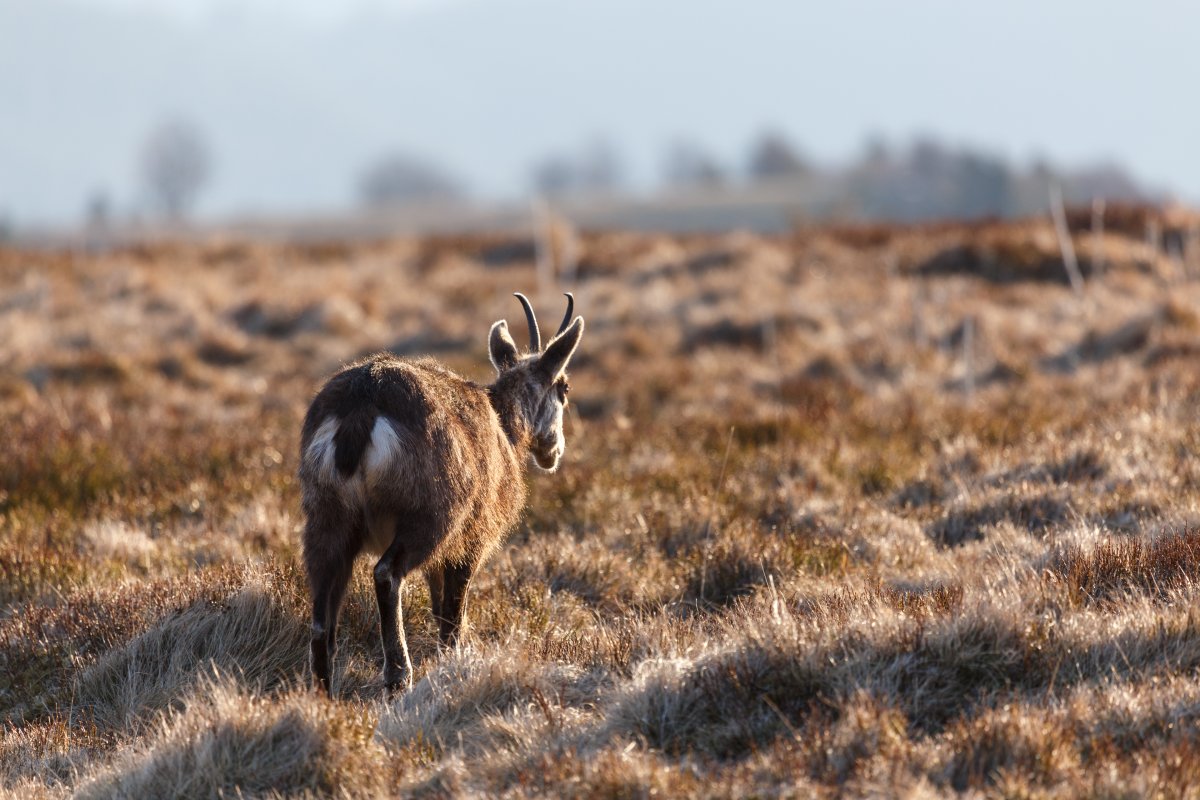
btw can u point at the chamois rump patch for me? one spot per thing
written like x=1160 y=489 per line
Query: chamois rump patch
x=348 y=462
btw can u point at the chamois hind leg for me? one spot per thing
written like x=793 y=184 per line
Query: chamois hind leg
x=389 y=579
x=341 y=580
x=433 y=577
x=328 y=563
x=456 y=578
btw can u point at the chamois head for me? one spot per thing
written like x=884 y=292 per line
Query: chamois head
x=537 y=381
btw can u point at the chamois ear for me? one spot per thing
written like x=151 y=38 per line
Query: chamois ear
x=553 y=360
x=502 y=350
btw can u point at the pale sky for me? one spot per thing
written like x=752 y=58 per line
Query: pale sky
x=296 y=96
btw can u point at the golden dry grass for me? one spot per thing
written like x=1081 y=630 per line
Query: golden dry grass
x=886 y=511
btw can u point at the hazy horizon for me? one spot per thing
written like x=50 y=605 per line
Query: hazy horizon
x=296 y=98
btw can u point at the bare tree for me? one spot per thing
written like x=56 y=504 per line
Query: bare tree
x=602 y=167
x=688 y=166
x=773 y=156
x=98 y=211
x=596 y=169
x=555 y=176
x=397 y=179
x=876 y=153
x=175 y=165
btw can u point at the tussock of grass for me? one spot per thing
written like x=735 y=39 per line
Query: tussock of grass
x=26 y=574
x=725 y=705
x=1119 y=566
x=448 y=707
x=227 y=741
x=43 y=758
x=740 y=698
x=851 y=744
x=924 y=600
x=44 y=646
x=254 y=634
x=1007 y=745
x=1034 y=513
x=599 y=575
x=726 y=571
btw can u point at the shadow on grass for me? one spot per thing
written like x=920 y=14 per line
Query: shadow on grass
x=1034 y=514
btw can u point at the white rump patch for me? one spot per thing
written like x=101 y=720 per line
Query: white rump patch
x=380 y=463
x=383 y=450
x=321 y=451
x=320 y=456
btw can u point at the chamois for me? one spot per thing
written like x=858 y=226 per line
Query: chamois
x=405 y=459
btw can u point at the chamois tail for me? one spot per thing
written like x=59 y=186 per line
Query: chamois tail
x=352 y=437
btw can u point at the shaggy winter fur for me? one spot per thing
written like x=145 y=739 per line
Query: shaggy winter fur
x=408 y=461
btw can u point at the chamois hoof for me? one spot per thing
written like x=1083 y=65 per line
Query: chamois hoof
x=397 y=683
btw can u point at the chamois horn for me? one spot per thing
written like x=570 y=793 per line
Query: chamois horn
x=570 y=311
x=535 y=338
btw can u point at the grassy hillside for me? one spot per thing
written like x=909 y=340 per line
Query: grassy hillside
x=851 y=511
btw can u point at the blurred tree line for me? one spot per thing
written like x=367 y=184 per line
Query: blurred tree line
x=929 y=179
x=923 y=179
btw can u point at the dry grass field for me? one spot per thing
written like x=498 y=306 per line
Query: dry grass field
x=885 y=511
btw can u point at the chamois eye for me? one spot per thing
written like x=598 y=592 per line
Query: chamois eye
x=564 y=389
